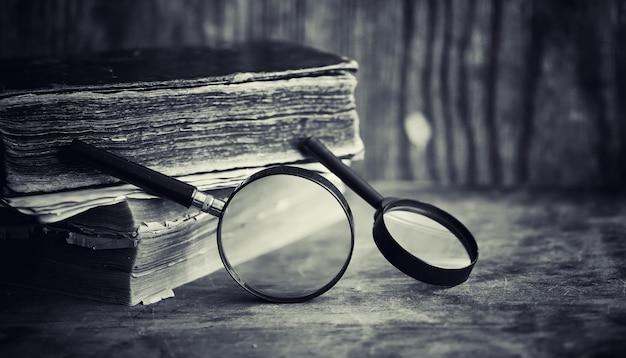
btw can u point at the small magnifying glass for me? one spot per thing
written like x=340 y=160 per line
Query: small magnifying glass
x=419 y=239
x=285 y=234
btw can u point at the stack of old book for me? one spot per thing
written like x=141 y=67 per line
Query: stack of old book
x=208 y=116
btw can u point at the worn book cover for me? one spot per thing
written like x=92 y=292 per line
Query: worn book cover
x=179 y=111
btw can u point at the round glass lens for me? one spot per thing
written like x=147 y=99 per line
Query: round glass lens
x=425 y=238
x=285 y=237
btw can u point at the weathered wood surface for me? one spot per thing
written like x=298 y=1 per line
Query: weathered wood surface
x=550 y=281
x=515 y=92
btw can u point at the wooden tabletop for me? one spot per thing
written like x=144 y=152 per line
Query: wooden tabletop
x=550 y=281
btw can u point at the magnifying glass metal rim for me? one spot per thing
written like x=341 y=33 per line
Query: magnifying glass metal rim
x=412 y=265
x=305 y=174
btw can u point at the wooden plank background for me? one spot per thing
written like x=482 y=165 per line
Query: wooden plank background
x=459 y=92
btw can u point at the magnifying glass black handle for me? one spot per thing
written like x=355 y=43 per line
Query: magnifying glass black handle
x=313 y=146
x=147 y=179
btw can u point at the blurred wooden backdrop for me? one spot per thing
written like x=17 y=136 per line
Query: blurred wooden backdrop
x=499 y=93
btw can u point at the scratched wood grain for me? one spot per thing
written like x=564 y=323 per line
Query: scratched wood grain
x=514 y=93
x=550 y=281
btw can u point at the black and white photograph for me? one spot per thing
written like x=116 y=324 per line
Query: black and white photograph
x=312 y=178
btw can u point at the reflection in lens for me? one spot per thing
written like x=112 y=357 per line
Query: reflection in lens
x=425 y=238
x=285 y=236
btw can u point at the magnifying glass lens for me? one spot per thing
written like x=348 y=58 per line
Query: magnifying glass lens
x=285 y=234
x=285 y=238
x=425 y=238
x=419 y=239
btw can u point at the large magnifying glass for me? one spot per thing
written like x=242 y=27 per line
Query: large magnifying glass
x=419 y=239
x=285 y=234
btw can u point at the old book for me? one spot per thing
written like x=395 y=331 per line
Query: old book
x=211 y=117
x=134 y=251
x=181 y=112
